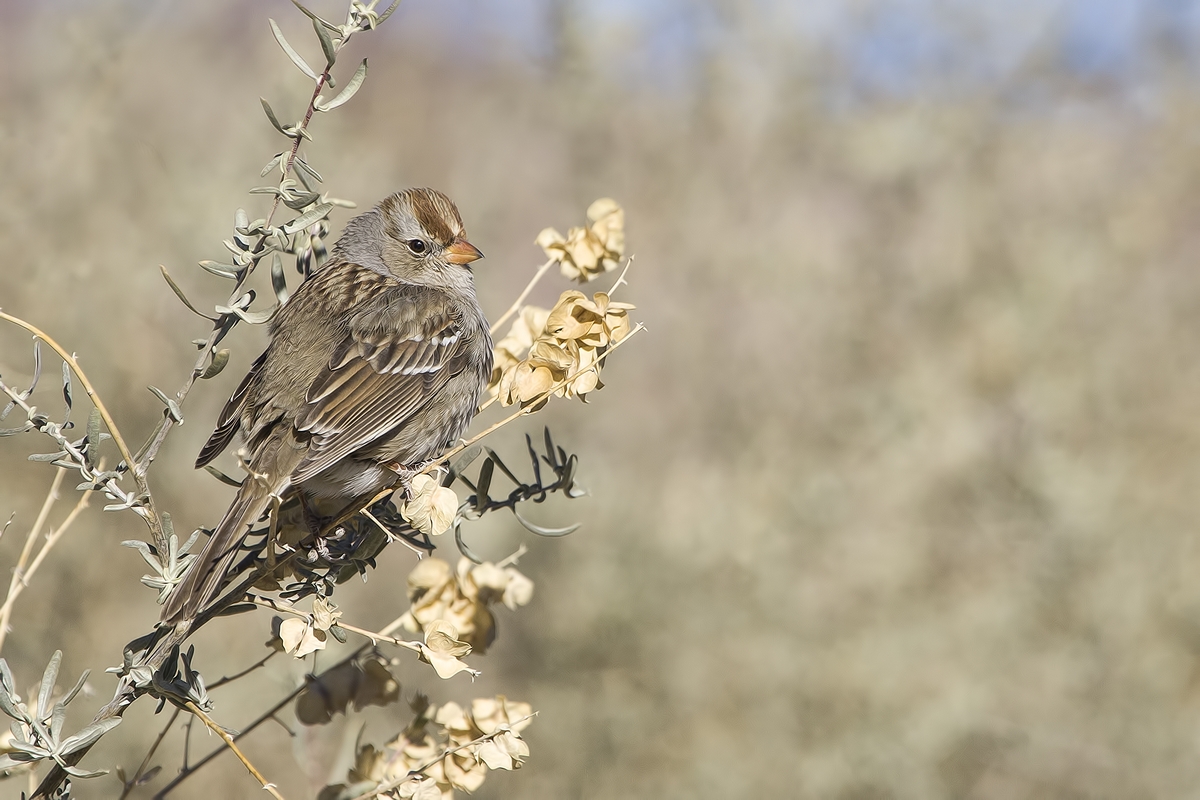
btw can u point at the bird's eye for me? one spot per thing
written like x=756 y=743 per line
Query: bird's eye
x=416 y=245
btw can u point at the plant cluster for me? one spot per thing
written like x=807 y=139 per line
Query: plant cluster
x=440 y=749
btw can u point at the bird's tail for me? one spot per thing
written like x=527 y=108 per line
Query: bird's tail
x=206 y=575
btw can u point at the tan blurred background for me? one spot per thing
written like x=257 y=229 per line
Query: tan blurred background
x=896 y=497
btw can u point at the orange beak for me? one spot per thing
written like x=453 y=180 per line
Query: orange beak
x=462 y=252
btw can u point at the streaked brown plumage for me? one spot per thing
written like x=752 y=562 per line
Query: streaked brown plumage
x=378 y=359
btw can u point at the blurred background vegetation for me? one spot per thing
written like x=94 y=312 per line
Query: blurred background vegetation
x=894 y=499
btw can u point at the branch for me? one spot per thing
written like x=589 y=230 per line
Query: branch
x=516 y=306
x=225 y=737
x=21 y=576
x=150 y=515
x=137 y=776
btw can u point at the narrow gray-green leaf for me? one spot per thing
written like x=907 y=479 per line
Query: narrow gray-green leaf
x=179 y=293
x=345 y=94
x=326 y=43
x=69 y=696
x=172 y=406
x=47 y=687
x=67 y=386
x=315 y=18
x=271 y=116
x=301 y=200
x=278 y=281
x=308 y=218
x=93 y=433
x=219 y=360
x=303 y=166
x=300 y=63
x=548 y=532
x=390 y=9
x=222 y=477
x=254 y=317
x=221 y=270
x=88 y=736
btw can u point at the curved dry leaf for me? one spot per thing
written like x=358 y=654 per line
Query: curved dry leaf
x=300 y=638
x=431 y=508
x=443 y=650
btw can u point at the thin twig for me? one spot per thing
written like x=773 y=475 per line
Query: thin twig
x=23 y=581
x=271 y=712
x=231 y=678
x=516 y=306
x=275 y=605
x=16 y=583
x=232 y=745
x=137 y=776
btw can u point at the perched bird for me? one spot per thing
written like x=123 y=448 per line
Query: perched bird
x=376 y=364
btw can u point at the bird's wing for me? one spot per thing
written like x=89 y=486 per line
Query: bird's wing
x=231 y=416
x=395 y=358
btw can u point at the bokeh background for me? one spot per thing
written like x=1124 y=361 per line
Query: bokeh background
x=896 y=498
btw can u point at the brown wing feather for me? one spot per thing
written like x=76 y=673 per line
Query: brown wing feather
x=231 y=416
x=384 y=372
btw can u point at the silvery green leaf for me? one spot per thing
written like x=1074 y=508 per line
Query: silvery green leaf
x=93 y=432
x=303 y=166
x=278 y=281
x=254 y=317
x=308 y=218
x=274 y=120
x=147 y=553
x=222 y=477
x=172 y=407
x=88 y=736
x=240 y=220
x=387 y=13
x=67 y=386
x=291 y=52
x=6 y=679
x=219 y=360
x=179 y=293
x=548 y=532
x=47 y=687
x=349 y=91
x=326 y=43
x=69 y=696
x=272 y=164
x=485 y=481
x=47 y=457
x=315 y=18
x=76 y=772
x=29 y=749
x=299 y=201
x=264 y=190
x=234 y=247
x=9 y=707
x=221 y=270
x=58 y=716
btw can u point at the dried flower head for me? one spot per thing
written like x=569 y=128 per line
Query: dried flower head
x=589 y=251
x=564 y=353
